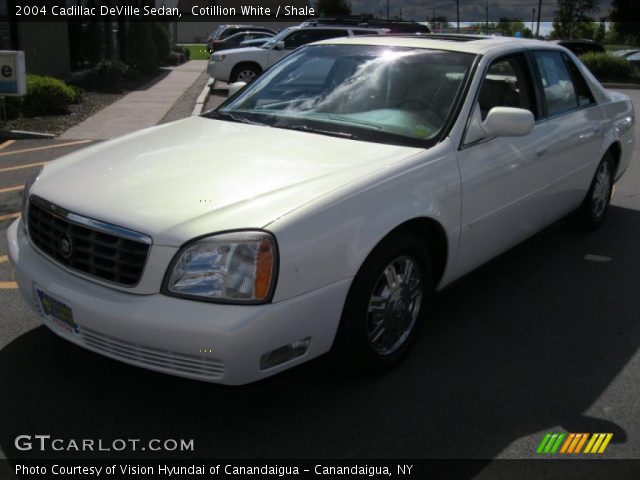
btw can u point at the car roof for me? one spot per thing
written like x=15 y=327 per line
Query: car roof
x=334 y=27
x=477 y=44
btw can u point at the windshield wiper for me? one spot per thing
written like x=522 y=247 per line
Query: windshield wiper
x=305 y=128
x=233 y=117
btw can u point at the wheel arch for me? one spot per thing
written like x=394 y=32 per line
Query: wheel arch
x=434 y=236
x=244 y=63
x=616 y=151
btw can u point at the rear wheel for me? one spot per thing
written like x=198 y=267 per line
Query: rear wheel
x=386 y=304
x=593 y=209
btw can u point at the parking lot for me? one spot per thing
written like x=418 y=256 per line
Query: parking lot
x=544 y=338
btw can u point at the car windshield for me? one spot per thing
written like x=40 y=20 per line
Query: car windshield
x=375 y=93
x=280 y=36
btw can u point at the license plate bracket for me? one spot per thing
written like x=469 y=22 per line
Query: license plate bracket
x=56 y=311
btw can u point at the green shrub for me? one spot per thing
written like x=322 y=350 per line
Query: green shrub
x=13 y=107
x=183 y=50
x=47 y=96
x=162 y=41
x=175 y=58
x=187 y=53
x=107 y=76
x=606 y=67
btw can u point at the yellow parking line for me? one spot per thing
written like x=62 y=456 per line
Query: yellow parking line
x=9 y=216
x=8 y=285
x=20 y=167
x=47 y=147
x=6 y=144
x=4 y=258
x=11 y=189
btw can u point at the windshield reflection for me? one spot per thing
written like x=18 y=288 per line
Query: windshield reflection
x=377 y=93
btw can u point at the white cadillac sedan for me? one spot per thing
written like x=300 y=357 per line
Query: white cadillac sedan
x=320 y=206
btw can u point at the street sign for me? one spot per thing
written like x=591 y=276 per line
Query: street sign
x=13 y=76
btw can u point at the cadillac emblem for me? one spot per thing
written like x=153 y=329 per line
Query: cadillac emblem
x=65 y=246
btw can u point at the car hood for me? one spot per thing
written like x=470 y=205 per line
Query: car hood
x=197 y=176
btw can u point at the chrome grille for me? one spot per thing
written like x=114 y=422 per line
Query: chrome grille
x=101 y=250
x=152 y=358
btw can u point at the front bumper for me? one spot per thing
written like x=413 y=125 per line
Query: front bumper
x=204 y=341
x=219 y=70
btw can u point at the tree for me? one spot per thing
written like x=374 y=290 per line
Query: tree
x=438 y=24
x=571 y=14
x=625 y=15
x=333 y=8
x=601 y=31
x=508 y=27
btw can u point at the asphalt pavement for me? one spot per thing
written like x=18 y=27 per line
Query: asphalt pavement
x=544 y=338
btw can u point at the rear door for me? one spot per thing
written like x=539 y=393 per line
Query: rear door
x=573 y=129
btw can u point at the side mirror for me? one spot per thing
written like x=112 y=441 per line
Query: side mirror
x=280 y=45
x=508 y=122
x=236 y=87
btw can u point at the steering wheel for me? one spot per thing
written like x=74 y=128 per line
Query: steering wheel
x=413 y=104
x=425 y=109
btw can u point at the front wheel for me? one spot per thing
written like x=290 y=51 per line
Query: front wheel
x=593 y=209
x=386 y=304
x=245 y=73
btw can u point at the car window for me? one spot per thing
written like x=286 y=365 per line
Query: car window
x=365 y=32
x=507 y=83
x=585 y=97
x=228 y=32
x=388 y=95
x=302 y=37
x=558 y=90
x=296 y=39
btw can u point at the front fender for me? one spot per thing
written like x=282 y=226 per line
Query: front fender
x=329 y=239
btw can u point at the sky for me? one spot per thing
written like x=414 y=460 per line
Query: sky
x=470 y=10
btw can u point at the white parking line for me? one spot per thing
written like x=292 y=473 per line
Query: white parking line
x=46 y=147
x=20 y=167
x=11 y=189
x=9 y=216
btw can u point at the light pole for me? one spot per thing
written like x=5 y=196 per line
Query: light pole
x=458 y=15
x=538 y=26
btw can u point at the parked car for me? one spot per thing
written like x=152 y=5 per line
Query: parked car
x=246 y=63
x=235 y=40
x=258 y=42
x=624 y=53
x=392 y=26
x=318 y=208
x=634 y=60
x=580 y=47
x=224 y=31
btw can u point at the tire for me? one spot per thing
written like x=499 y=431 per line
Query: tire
x=245 y=72
x=381 y=299
x=592 y=212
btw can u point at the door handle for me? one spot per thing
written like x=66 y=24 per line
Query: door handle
x=540 y=151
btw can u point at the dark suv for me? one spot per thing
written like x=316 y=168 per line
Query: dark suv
x=580 y=47
x=224 y=31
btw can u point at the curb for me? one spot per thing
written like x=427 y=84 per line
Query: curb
x=201 y=101
x=623 y=86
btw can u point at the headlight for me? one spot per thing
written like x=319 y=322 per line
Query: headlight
x=25 y=196
x=217 y=58
x=236 y=267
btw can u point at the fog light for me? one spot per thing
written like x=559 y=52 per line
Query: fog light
x=284 y=354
